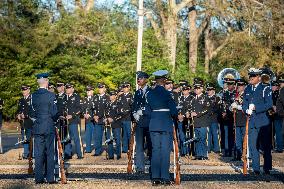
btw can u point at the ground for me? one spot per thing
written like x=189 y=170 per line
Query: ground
x=97 y=172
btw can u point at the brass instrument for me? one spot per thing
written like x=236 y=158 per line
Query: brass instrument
x=227 y=73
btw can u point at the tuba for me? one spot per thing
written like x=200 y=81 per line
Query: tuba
x=267 y=75
x=227 y=73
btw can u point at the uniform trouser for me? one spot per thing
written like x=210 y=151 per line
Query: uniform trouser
x=140 y=134
x=181 y=135
x=260 y=137
x=213 y=137
x=115 y=135
x=160 y=162
x=126 y=129
x=89 y=136
x=240 y=133
x=44 y=153
x=98 y=135
x=201 y=141
x=26 y=134
x=278 y=134
x=229 y=138
x=75 y=134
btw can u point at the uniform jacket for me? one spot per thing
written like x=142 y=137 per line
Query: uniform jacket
x=114 y=111
x=88 y=107
x=280 y=103
x=215 y=108
x=60 y=98
x=240 y=114
x=100 y=106
x=261 y=97
x=201 y=105
x=159 y=98
x=126 y=101
x=73 y=107
x=228 y=99
x=23 y=107
x=43 y=111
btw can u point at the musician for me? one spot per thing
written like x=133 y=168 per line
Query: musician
x=214 y=111
x=113 y=123
x=200 y=106
x=142 y=130
x=257 y=101
x=240 y=117
x=24 y=118
x=161 y=108
x=43 y=113
x=87 y=111
x=73 y=110
x=101 y=101
x=126 y=99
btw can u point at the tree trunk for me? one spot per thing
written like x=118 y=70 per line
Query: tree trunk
x=208 y=49
x=90 y=5
x=193 y=41
x=171 y=40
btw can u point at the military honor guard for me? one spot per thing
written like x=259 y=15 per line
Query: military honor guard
x=200 y=112
x=24 y=118
x=126 y=99
x=113 y=126
x=101 y=102
x=72 y=114
x=214 y=112
x=43 y=113
x=87 y=112
x=280 y=110
x=257 y=102
x=161 y=108
x=142 y=134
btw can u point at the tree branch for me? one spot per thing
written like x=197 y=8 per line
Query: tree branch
x=154 y=24
x=90 y=5
x=182 y=5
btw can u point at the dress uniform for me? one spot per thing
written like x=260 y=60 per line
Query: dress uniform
x=200 y=106
x=43 y=112
x=228 y=98
x=26 y=122
x=73 y=111
x=240 y=118
x=142 y=129
x=126 y=99
x=88 y=113
x=60 y=98
x=161 y=107
x=280 y=102
x=257 y=101
x=182 y=122
x=214 y=112
x=101 y=101
x=1 y=111
x=113 y=123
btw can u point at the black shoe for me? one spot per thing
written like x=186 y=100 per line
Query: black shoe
x=118 y=157
x=24 y=157
x=204 y=158
x=156 y=182
x=278 y=151
x=53 y=182
x=139 y=172
x=166 y=183
x=67 y=157
x=267 y=172
x=39 y=182
x=96 y=155
x=80 y=157
x=87 y=152
x=111 y=158
x=254 y=172
x=124 y=152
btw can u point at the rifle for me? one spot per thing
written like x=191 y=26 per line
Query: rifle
x=30 y=169
x=131 y=150
x=245 y=145
x=176 y=159
x=235 y=133
x=60 y=153
x=19 y=134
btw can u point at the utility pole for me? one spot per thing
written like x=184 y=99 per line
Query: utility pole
x=140 y=37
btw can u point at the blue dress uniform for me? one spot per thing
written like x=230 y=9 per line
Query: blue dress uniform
x=88 y=108
x=73 y=107
x=161 y=108
x=259 y=96
x=142 y=129
x=100 y=105
x=126 y=100
x=43 y=111
x=214 y=112
x=201 y=105
x=26 y=123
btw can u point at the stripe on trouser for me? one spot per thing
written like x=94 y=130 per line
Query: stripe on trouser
x=80 y=139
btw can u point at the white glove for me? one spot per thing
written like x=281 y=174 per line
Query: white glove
x=139 y=112
x=239 y=107
x=136 y=117
x=249 y=111
x=234 y=105
x=251 y=106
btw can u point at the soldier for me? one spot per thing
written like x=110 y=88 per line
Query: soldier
x=101 y=101
x=43 y=112
x=161 y=108
x=184 y=106
x=51 y=87
x=280 y=101
x=113 y=121
x=200 y=112
x=72 y=111
x=142 y=129
x=126 y=99
x=228 y=99
x=26 y=122
x=153 y=83
x=214 y=111
x=169 y=85
x=257 y=101
x=240 y=118
x=276 y=119
x=87 y=111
